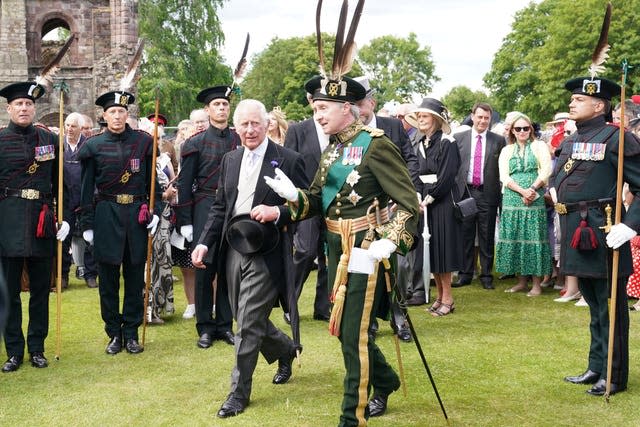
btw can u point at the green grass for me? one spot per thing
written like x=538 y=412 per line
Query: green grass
x=498 y=360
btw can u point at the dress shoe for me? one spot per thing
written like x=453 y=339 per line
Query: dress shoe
x=488 y=285
x=226 y=336
x=283 y=374
x=404 y=334
x=189 y=312
x=568 y=298
x=416 y=300
x=12 y=364
x=79 y=272
x=232 y=407
x=205 y=341
x=322 y=317
x=600 y=388
x=133 y=346
x=38 y=360
x=460 y=283
x=378 y=405
x=91 y=283
x=114 y=346
x=588 y=377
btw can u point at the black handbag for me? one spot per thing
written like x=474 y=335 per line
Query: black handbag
x=465 y=208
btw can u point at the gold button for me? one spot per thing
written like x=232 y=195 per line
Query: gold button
x=337 y=211
x=339 y=204
x=322 y=178
x=338 y=196
x=324 y=169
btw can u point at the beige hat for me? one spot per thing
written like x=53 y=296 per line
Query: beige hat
x=559 y=118
x=431 y=106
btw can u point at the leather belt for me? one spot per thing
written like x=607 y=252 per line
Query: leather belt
x=565 y=208
x=26 y=193
x=360 y=223
x=122 y=199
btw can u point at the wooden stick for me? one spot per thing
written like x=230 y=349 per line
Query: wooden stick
x=60 y=219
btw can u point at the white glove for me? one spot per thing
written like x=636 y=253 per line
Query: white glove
x=87 y=235
x=282 y=185
x=428 y=199
x=619 y=235
x=63 y=231
x=380 y=249
x=187 y=232
x=153 y=224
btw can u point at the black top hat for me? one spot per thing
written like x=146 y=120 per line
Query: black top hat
x=598 y=88
x=115 y=99
x=209 y=94
x=29 y=90
x=249 y=236
x=162 y=120
x=343 y=90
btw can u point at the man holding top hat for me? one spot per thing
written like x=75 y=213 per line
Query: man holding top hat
x=114 y=217
x=585 y=182
x=201 y=157
x=28 y=183
x=246 y=236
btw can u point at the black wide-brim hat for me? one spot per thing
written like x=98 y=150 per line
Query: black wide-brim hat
x=431 y=106
x=345 y=89
x=115 y=99
x=28 y=90
x=250 y=237
x=598 y=88
x=209 y=94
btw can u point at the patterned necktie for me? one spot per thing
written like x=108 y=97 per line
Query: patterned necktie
x=477 y=163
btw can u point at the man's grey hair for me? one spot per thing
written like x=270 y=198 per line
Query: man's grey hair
x=76 y=118
x=247 y=104
x=355 y=111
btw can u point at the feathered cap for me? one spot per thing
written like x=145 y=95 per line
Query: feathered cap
x=592 y=86
x=334 y=86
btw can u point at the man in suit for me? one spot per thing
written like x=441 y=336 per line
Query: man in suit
x=253 y=273
x=479 y=151
x=28 y=179
x=307 y=138
x=197 y=184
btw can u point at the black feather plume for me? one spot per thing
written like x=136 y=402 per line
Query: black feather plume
x=49 y=70
x=600 y=54
x=319 y=39
x=242 y=64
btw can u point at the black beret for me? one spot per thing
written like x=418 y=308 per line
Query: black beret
x=598 y=88
x=115 y=99
x=29 y=90
x=209 y=94
x=344 y=90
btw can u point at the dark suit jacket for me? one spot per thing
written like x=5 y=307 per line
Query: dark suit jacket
x=395 y=132
x=491 y=178
x=303 y=138
x=214 y=232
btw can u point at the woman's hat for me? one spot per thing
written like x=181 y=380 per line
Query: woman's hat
x=250 y=237
x=559 y=118
x=431 y=106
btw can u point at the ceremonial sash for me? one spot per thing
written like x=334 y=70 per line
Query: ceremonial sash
x=338 y=171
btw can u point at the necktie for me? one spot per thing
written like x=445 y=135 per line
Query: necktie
x=477 y=163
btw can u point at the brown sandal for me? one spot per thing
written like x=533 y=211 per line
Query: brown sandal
x=444 y=309
x=436 y=305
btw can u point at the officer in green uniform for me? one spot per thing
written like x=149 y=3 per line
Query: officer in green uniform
x=28 y=185
x=359 y=173
x=585 y=182
x=114 y=217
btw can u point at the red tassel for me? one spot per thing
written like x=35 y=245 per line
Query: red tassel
x=144 y=218
x=46 y=221
x=584 y=238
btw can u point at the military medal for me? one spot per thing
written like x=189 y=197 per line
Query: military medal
x=588 y=151
x=33 y=168
x=135 y=165
x=353 y=178
x=354 y=197
x=332 y=156
x=125 y=177
x=45 y=152
x=568 y=165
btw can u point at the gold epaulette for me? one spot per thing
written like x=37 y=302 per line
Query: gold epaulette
x=375 y=132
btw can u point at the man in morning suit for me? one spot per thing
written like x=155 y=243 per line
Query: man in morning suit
x=28 y=184
x=479 y=152
x=252 y=271
x=197 y=184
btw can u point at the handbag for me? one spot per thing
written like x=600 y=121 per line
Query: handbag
x=465 y=208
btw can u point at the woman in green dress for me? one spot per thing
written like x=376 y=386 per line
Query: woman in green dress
x=523 y=246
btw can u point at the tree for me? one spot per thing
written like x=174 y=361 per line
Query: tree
x=460 y=99
x=181 y=54
x=397 y=67
x=550 y=43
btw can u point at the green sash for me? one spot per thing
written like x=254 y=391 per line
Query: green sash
x=338 y=172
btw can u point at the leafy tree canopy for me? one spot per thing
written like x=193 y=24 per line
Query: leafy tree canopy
x=460 y=99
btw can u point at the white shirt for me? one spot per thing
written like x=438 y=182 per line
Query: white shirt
x=322 y=137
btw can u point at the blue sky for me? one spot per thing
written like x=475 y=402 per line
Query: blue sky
x=463 y=34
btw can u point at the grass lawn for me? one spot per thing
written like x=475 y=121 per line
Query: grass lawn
x=498 y=360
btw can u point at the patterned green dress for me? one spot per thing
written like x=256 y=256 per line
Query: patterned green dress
x=523 y=245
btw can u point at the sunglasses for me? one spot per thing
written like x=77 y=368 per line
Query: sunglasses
x=522 y=129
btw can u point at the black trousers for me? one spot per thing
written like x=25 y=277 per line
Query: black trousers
x=39 y=271
x=484 y=223
x=205 y=322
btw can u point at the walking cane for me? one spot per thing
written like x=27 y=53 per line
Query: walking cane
x=152 y=198
x=59 y=200
x=616 y=253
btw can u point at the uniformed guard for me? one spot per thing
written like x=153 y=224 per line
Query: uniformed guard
x=201 y=157
x=117 y=164
x=585 y=182
x=28 y=184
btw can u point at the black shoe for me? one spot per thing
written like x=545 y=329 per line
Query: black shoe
x=232 y=407
x=404 y=334
x=91 y=283
x=38 y=360
x=133 y=346
x=287 y=318
x=114 y=346
x=587 y=377
x=460 y=283
x=322 y=317
x=283 y=374
x=378 y=405
x=226 y=336
x=600 y=387
x=416 y=300
x=12 y=364
x=488 y=285
x=205 y=341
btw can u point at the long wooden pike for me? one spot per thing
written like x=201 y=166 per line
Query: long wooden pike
x=60 y=207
